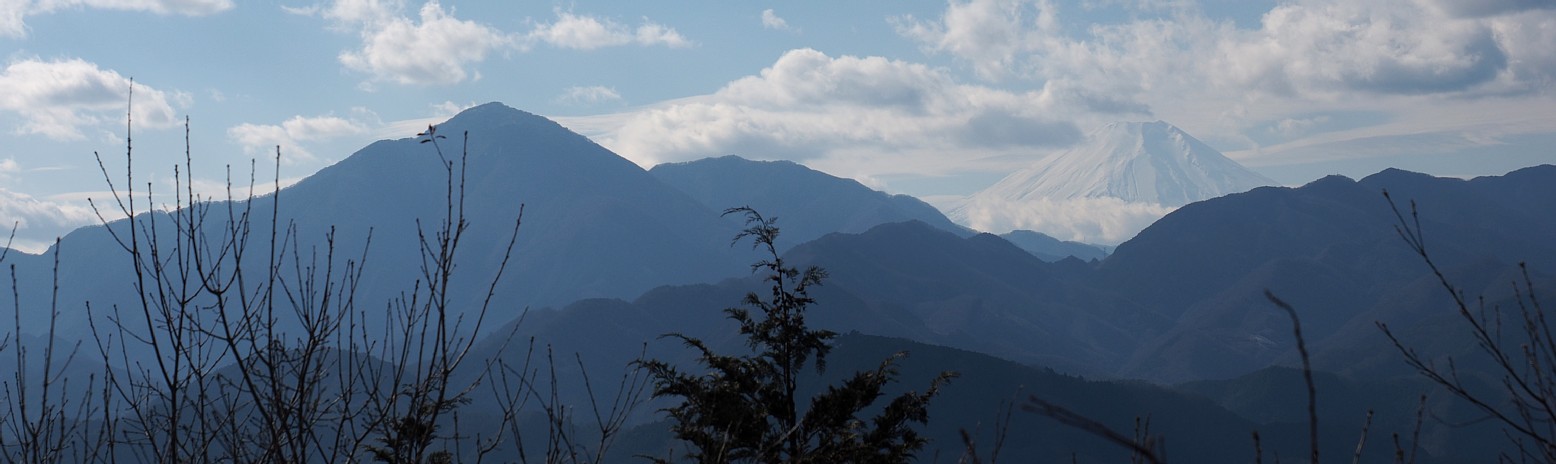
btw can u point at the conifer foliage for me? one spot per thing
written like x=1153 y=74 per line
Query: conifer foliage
x=744 y=408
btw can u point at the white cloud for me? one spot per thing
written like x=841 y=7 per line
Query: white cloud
x=355 y=12
x=1332 y=50
x=436 y=49
x=591 y=95
x=770 y=20
x=1104 y=221
x=1227 y=81
x=58 y=99
x=291 y=135
x=990 y=34
x=448 y=108
x=583 y=32
x=224 y=190
x=38 y=222
x=1293 y=127
x=14 y=13
x=1484 y=8
x=1326 y=49
x=861 y=117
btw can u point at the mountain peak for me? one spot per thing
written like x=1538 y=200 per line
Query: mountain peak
x=494 y=115
x=1148 y=162
x=1122 y=177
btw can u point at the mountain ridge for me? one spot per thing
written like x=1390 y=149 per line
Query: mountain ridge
x=810 y=203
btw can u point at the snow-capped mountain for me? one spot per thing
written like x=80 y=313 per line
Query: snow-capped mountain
x=1122 y=177
x=1150 y=162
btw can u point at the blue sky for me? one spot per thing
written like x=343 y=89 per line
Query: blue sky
x=926 y=98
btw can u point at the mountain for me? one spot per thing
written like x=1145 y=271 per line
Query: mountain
x=594 y=224
x=1329 y=248
x=626 y=255
x=907 y=280
x=1276 y=398
x=1150 y=162
x=1052 y=249
x=1183 y=301
x=1195 y=429
x=1121 y=178
x=809 y=202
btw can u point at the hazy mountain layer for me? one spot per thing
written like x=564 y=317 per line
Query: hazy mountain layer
x=810 y=203
x=1051 y=249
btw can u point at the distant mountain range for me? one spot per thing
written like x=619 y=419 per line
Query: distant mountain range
x=611 y=256
x=1052 y=249
x=1331 y=249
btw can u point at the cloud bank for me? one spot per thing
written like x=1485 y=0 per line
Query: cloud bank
x=61 y=98
x=434 y=47
x=578 y=32
x=14 y=13
x=852 y=116
x=291 y=136
x=35 y=219
x=1309 y=48
x=1103 y=221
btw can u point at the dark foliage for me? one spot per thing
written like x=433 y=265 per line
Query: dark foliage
x=745 y=407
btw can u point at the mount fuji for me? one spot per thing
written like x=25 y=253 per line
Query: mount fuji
x=1124 y=176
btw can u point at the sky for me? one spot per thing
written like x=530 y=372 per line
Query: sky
x=937 y=100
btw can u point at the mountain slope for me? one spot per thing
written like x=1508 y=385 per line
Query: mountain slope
x=811 y=203
x=1329 y=248
x=1152 y=162
x=1051 y=249
x=594 y=224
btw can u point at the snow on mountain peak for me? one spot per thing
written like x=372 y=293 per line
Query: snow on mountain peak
x=1124 y=176
x=1149 y=162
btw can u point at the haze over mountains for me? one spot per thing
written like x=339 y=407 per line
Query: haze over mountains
x=816 y=203
x=1121 y=178
x=611 y=256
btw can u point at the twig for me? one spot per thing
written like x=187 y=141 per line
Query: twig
x=1307 y=372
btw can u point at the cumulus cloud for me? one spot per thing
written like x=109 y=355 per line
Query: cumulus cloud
x=1363 y=46
x=1525 y=38
x=771 y=20
x=13 y=13
x=291 y=135
x=1310 y=48
x=582 y=32
x=435 y=48
x=1484 y=8
x=990 y=34
x=57 y=99
x=37 y=221
x=1104 y=220
x=1230 y=81
x=861 y=117
x=590 y=95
